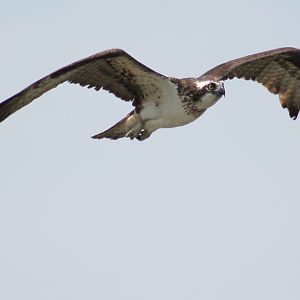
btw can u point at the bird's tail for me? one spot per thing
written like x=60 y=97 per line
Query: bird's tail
x=130 y=127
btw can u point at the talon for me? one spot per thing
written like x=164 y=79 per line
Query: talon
x=144 y=134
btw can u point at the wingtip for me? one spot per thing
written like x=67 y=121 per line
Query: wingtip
x=97 y=137
x=293 y=112
x=294 y=117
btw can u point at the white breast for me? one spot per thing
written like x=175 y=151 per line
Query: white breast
x=164 y=109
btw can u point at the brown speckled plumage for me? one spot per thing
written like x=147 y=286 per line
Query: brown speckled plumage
x=112 y=70
x=189 y=95
x=162 y=101
x=278 y=70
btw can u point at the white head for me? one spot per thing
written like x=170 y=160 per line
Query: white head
x=210 y=91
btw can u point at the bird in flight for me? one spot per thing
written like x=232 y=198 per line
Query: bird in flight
x=164 y=102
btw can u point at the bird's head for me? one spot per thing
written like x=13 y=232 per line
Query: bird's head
x=211 y=87
x=211 y=91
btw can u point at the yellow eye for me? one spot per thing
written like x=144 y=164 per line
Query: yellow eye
x=211 y=86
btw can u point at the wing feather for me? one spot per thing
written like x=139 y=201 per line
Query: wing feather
x=278 y=70
x=112 y=70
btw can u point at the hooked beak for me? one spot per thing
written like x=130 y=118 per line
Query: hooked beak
x=221 y=90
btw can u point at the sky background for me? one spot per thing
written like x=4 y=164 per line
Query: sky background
x=210 y=210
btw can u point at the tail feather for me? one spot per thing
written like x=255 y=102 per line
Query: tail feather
x=130 y=127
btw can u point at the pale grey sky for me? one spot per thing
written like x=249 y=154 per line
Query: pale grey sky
x=206 y=211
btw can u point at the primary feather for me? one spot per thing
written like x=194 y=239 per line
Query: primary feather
x=160 y=101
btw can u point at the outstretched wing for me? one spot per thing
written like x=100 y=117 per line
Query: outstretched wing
x=278 y=70
x=112 y=70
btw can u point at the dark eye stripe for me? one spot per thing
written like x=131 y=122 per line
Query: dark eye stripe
x=211 y=86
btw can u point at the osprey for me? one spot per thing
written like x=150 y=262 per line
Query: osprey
x=163 y=102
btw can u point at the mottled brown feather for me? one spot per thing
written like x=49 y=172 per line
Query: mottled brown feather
x=278 y=70
x=112 y=70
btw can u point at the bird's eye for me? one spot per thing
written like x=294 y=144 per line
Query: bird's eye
x=211 y=86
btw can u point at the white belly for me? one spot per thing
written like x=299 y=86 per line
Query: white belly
x=165 y=110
